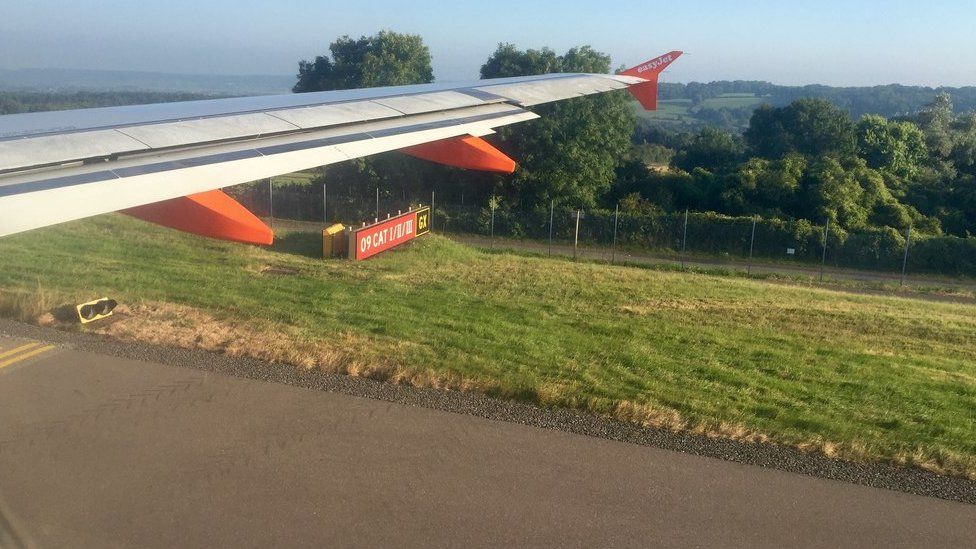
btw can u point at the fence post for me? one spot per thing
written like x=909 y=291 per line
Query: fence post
x=613 y=246
x=271 y=204
x=823 y=259
x=752 y=244
x=377 y=216
x=552 y=210
x=904 y=262
x=576 y=235
x=325 y=204
x=492 y=202
x=684 y=240
x=431 y=210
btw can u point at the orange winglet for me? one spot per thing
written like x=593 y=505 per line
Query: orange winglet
x=212 y=214
x=646 y=92
x=468 y=152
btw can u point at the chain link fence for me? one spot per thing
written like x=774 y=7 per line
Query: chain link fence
x=700 y=239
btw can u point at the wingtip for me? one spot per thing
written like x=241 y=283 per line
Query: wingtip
x=646 y=92
x=653 y=67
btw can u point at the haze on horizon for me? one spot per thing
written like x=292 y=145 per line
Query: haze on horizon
x=833 y=42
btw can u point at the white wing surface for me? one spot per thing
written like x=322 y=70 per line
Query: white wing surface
x=66 y=165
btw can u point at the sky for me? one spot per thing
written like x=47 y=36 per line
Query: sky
x=826 y=42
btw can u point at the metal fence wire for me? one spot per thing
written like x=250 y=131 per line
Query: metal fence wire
x=706 y=239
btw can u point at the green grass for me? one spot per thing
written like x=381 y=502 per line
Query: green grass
x=669 y=109
x=733 y=101
x=681 y=111
x=857 y=375
x=296 y=178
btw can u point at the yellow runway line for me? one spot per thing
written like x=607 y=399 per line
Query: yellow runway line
x=16 y=350
x=25 y=356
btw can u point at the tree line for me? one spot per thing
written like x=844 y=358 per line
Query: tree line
x=887 y=100
x=809 y=159
x=798 y=165
x=14 y=102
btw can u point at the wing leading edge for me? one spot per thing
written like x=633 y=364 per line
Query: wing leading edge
x=61 y=166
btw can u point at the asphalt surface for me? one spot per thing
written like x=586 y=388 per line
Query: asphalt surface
x=103 y=450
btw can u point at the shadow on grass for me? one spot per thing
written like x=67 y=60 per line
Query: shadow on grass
x=299 y=243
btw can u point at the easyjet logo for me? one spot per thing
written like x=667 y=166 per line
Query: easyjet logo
x=651 y=65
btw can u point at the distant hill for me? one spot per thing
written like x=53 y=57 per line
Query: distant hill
x=684 y=107
x=74 y=80
x=13 y=102
x=729 y=104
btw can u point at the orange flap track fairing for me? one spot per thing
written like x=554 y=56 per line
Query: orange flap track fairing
x=212 y=214
x=468 y=152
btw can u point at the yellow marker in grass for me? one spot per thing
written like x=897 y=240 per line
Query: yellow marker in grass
x=95 y=310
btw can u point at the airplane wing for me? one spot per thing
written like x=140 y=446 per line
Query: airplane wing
x=166 y=162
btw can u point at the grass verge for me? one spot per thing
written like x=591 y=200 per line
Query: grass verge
x=848 y=374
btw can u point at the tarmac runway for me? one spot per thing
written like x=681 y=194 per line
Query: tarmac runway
x=102 y=451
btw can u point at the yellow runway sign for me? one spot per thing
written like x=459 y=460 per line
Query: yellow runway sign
x=23 y=352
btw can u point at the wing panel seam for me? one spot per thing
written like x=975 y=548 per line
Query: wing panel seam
x=243 y=154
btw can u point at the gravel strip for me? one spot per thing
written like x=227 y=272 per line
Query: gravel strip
x=879 y=475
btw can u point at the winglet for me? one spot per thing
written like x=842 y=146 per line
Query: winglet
x=646 y=92
x=654 y=66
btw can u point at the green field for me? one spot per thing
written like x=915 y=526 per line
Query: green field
x=683 y=111
x=671 y=109
x=861 y=376
x=296 y=178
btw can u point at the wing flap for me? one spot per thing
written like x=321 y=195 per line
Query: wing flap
x=71 y=147
x=428 y=102
x=333 y=115
x=205 y=130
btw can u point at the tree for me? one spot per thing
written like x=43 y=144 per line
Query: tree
x=385 y=59
x=571 y=153
x=896 y=147
x=771 y=186
x=834 y=193
x=812 y=127
x=766 y=136
x=936 y=120
x=712 y=149
x=510 y=61
x=963 y=153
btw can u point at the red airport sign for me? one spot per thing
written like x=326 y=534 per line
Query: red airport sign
x=379 y=237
